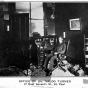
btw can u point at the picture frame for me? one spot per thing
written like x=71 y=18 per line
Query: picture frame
x=75 y=24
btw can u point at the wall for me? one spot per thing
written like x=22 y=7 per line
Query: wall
x=15 y=41
x=2 y=61
x=50 y=23
x=66 y=11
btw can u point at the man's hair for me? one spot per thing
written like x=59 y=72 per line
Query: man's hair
x=60 y=37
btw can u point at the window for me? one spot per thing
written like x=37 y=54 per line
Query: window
x=35 y=10
x=36 y=18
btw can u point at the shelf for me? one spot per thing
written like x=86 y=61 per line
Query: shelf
x=86 y=44
x=86 y=50
x=86 y=56
x=85 y=38
x=86 y=66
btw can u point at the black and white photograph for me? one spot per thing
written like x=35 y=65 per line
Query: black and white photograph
x=43 y=39
x=75 y=24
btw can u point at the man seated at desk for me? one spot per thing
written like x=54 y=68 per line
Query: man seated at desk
x=60 y=48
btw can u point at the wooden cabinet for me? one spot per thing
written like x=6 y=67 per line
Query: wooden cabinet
x=19 y=32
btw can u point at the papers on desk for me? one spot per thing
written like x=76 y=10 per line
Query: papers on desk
x=59 y=72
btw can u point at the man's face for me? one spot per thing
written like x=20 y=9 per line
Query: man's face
x=60 y=39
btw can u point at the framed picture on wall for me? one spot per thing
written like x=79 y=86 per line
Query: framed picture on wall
x=75 y=24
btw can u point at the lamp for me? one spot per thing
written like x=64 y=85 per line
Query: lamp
x=53 y=16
